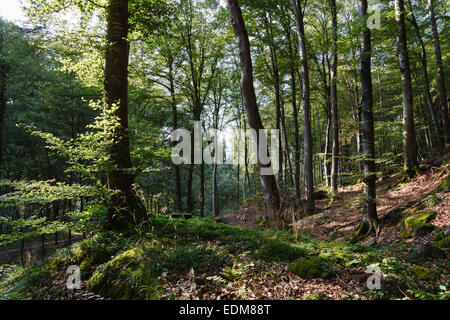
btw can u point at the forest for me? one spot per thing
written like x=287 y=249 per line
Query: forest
x=225 y=150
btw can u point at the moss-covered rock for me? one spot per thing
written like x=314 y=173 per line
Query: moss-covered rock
x=310 y=268
x=416 y=223
x=443 y=243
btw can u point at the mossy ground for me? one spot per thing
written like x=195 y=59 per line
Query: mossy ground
x=119 y=266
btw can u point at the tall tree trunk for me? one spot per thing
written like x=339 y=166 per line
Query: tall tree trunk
x=426 y=82
x=440 y=74
x=409 y=136
x=276 y=79
x=381 y=105
x=178 y=191
x=3 y=75
x=307 y=137
x=334 y=102
x=248 y=93
x=370 y=218
x=125 y=206
x=295 y=115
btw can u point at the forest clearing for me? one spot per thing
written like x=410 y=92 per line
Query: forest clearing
x=224 y=150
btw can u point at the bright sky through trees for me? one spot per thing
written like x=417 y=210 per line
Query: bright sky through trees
x=12 y=10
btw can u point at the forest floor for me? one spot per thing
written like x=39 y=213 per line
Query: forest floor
x=200 y=258
x=337 y=218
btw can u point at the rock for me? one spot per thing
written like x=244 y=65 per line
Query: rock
x=416 y=223
x=429 y=251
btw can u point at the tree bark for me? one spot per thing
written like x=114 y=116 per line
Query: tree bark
x=276 y=79
x=125 y=206
x=426 y=82
x=370 y=218
x=409 y=136
x=178 y=191
x=307 y=137
x=440 y=74
x=3 y=76
x=248 y=93
x=334 y=102
x=295 y=115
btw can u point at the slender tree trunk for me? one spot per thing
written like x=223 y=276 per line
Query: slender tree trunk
x=249 y=97
x=287 y=157
x=370 y=218
x=381 y=105
x=178 y=191
x=440 y=74
x=426 y=82
x=276 y=78
x=334 y=102
x=307 y=137
x=3 y=76
x=295 y=115
x=125 y=206
x=409 y=137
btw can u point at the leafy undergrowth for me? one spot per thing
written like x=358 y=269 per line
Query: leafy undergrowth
x=203 y=259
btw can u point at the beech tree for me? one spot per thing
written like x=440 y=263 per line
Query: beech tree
x=369 y=222
x=249 y=97
x=307 y=137
x=440 y=73
x=125 y=206
x=409 y=133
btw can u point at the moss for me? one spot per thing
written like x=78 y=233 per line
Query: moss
x=200 y=258
x=439 y=236
x=423 y=274
x=360 y=233
x=310 y=268
x=311 y=296
x=443 y=243
x=340 y=256
x=132 y=274
x=280 y=251
x=415 y=223
x=445 y=186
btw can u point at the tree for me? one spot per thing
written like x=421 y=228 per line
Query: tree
x=334 y=102
x=125 y=206
x=298 y=11
x=440 y=73
x=426 y=82
x=369 y=223
x=251 y=106
x=409 y=134
x=3 y=75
